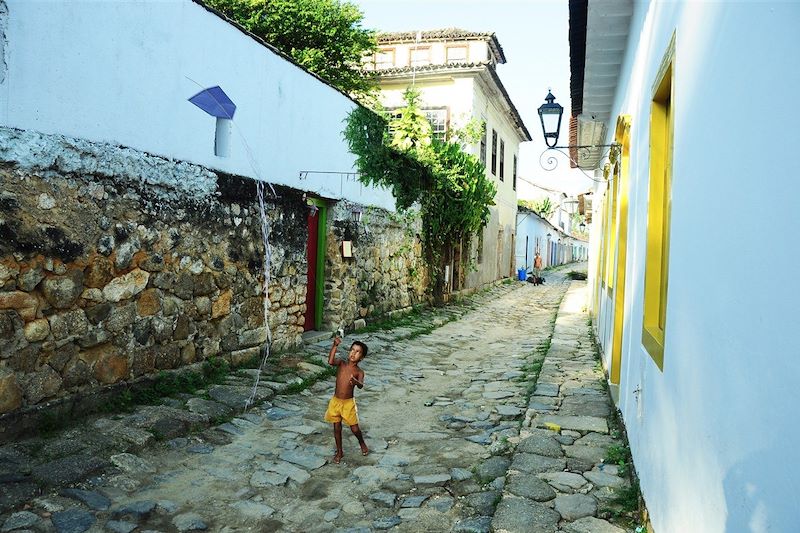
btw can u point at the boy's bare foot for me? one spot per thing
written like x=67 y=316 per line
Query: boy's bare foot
x=337 y=458
x=364 y=449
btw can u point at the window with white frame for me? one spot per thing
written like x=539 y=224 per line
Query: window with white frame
x=393 y=114
x=456 y=54
x=438 y=120
x=420 y=56
x=514 y=175
x=436 y=116
x=384 y=58
x=494 y=152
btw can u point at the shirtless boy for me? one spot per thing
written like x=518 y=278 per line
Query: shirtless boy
x=343 y=406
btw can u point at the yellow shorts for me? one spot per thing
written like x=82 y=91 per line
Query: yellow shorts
x=339 y=410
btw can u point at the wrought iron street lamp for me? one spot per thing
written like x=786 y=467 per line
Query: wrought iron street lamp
x=582 y=226
x=550 y=115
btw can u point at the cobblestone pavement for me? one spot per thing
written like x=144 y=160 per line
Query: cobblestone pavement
x=446 y=411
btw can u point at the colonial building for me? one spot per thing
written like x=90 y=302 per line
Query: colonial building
x=695 y=250
x=456 y=73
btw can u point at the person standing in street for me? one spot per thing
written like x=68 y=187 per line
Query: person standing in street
x=342 y=407
x=537 y=268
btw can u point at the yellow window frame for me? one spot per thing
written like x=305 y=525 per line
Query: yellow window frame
x=623 y=139
x=611 y=233
x=604 y=244
x=601 y=248
x=662 y=126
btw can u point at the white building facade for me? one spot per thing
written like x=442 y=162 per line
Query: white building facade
x=689 y=302
x=128 y=77
x=536 y=234
x=455 y=71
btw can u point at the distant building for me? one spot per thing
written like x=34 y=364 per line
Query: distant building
x=536 y=234
x=455 y=71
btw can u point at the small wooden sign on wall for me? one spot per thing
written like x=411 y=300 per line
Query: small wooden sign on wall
x=347 y=248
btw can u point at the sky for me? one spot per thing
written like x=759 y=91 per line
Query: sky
x=534 y=37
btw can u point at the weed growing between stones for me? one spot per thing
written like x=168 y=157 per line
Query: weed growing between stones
x=421 y=320
x=166 y=384
x=627 y=507
x=620 y=456
x=398 y=321
x=213 y=371
x=302 y=385
x=626 y=501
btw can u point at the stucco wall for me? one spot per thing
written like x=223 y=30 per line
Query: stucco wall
x=121 y=72
x=712 y=434
x=477 y=51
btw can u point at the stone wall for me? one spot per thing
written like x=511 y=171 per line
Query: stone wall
x=386 y=273
x=109 y=273
x=117 y=264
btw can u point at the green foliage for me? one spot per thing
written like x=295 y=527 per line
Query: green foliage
x=215 y=369
x=381 y=165
x=616 y=455
x=543 y=206
x=469 y=133
x=577 y=220
x=627 y=498
x=324 y=36
x=412 y=131
x=448 y=184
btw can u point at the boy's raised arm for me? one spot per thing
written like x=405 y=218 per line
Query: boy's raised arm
x=332 y=354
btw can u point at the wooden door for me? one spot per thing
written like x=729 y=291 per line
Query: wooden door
x=311 y=253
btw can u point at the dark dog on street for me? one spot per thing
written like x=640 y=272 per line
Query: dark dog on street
x=536 y=280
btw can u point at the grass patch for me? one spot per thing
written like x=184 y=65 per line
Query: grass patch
x=627 y=499
x=299 y=386
x=166 y=384
x=400 y=321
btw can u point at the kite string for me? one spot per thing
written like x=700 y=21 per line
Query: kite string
x=265 y=234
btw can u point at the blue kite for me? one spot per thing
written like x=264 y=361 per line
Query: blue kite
x=215 y=102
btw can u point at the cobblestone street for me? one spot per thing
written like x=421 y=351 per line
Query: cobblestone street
x=459 y=439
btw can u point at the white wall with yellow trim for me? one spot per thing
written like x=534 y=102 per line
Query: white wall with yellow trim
x=711 y=419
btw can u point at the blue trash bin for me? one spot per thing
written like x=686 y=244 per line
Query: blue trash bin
x=521 y=274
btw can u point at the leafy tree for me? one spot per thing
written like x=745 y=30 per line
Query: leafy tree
x=412 y=131
x=324 y=36
x=543 y=206
x=448 y=184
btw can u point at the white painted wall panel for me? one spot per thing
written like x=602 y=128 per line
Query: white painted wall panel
x=713 y=435
x=121 y=72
